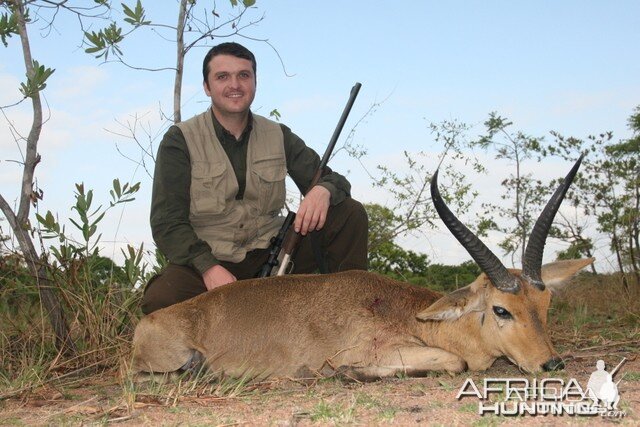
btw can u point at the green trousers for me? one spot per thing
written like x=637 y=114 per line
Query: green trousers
x=342 y=241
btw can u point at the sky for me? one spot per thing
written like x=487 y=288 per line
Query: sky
x=568 y=66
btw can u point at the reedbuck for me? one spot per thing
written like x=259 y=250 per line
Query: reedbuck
x=364 y=325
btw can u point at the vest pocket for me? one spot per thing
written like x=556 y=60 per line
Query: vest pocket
x=271 y=173
x=207 y=188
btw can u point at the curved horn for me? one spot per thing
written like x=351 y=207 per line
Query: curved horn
x=488 y=262
x=532 y=263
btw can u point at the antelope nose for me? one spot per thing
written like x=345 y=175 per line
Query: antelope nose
x=553 y=364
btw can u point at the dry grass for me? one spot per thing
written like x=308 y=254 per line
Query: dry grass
x=595 y=315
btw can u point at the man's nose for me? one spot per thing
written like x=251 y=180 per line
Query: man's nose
x=234 y=81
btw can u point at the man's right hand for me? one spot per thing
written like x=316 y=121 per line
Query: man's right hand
x=217 y=276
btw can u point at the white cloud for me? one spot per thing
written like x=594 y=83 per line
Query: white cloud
x=9 y=93
x=77 y=84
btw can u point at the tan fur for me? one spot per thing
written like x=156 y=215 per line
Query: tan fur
x=356 y=323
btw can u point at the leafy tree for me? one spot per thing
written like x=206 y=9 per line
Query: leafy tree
x=609 y=189
x=388 y=258
x=524 y=195
x=449 y=277
x=14 y=21
x=385 y=256
x=413 y=211
x=580 y=248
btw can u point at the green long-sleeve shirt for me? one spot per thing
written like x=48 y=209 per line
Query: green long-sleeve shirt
x=171 y=201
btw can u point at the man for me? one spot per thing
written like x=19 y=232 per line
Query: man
x=219 y=187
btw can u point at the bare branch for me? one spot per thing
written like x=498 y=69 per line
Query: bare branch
x=4 y=107
x=136 y=67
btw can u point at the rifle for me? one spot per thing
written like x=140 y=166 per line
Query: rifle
x=276 y=245
x=292 y=238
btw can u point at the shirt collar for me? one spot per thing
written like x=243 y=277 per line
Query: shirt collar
x=224 y=135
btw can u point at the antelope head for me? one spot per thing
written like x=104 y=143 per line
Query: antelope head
x=508 y=306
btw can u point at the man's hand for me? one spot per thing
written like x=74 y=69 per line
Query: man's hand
x=312 y=212
x=217 y=276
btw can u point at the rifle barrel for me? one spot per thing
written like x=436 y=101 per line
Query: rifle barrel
x=293 y=239
x=336 y=133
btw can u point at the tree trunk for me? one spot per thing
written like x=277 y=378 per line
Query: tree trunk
x=177 y=85
x=50 y=303
x=20 y=222
x=632 y=256
x=590 y=255
x=634 y=243
x=617 y=249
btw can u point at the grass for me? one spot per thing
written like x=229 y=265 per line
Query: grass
x=447 y=386
x=469 y=407
x=325 y=411
x=632 y=376
x=387 y=414
x=170 y=390
x=488 y=421
x=101 y=315
x=595 y=312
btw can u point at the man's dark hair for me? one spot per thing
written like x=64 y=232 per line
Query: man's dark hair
x=229 y=48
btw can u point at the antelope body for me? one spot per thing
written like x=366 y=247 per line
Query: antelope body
x=364 y=325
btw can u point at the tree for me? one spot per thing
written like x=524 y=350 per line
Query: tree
x=412 y=210
x=385 y=256
x=609 y=189
x=525 y=195
x=388 y=258
x=14 y=20
x=573 y=230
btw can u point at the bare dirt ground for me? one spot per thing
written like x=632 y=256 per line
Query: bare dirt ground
x=401 y=401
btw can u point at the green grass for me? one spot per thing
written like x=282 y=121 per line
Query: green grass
x=447 y=386
x=632 y=376
x=469 y=407
x=367 y=401
x=325 y=412
x=11 y=421
x=387 y=414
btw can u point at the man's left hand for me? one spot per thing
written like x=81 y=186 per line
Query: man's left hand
x=312 y=212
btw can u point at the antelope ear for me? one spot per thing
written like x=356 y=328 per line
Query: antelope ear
x=456 y=304
x=556 y=274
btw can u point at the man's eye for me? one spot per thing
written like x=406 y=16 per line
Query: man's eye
x=221 y=76
x=502 y=312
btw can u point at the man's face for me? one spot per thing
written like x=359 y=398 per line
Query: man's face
x=231 y=84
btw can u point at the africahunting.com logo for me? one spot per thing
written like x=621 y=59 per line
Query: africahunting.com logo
x=548 y=396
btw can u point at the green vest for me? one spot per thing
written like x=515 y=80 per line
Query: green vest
x=233 y=227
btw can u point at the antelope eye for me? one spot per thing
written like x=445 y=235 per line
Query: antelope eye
x=501 y=312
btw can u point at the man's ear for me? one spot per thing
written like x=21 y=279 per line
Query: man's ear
x=456 y=304
x=557 y=274
x=205 y=85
